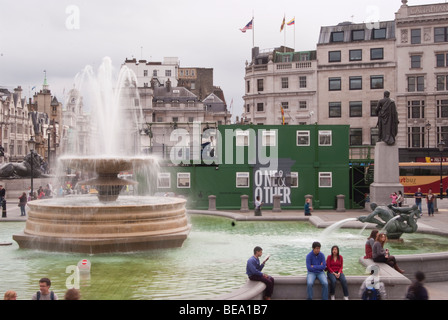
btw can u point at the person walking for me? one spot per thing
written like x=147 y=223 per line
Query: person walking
x=3 y=200
x=258 y=205
x=22 y=203
x=315 y=264
x=418 y=199
x=308 y=207
x=430 y=203
x=417 y=291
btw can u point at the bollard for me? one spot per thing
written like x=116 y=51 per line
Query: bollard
x=277 y=207
x=244 y=203
x=212 y=203
x=340 y=203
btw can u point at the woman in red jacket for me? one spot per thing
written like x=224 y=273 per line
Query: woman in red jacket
x=335 y=263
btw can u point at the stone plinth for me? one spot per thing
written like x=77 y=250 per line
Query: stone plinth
x=386 y=174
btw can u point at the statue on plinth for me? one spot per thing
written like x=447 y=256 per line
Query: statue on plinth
x=387 y=119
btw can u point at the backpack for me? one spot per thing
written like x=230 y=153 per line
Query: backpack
x=38 y=295
x=370 y=294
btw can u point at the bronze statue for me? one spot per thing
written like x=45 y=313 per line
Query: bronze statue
x=17 y=170
x=387 y=119
x=394 y=220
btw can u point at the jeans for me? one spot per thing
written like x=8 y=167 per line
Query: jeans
x=22 y=211
x=419 y=205
x=268 y=281
x=430 y=208
x=310 y=278
x=332 y=282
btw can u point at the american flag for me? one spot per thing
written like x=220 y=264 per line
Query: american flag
x=247 y=27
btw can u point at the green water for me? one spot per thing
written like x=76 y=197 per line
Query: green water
x=212 y=260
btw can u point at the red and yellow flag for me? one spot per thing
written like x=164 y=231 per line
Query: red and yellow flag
x=283 y=25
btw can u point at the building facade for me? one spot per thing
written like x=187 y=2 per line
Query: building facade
x=356 y=64
x=280 y=87
x=422 y=75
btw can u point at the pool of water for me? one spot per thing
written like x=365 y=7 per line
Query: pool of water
x=211 y=262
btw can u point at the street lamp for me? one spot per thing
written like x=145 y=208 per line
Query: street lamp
x=428 y=127
x=441 y=148
x=48 y=158
x=31 y=143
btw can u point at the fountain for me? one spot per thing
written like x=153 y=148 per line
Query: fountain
x=107 y=222
x=394 y=220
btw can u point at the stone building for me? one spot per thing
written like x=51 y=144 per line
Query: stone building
x=356 y=64
x=15 y=125
x=280 y=80
x=422 y=74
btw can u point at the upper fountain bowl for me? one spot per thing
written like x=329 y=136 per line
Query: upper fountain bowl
x=104 y=164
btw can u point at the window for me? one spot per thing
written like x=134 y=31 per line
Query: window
x=163 y=180
x=373 y=105
x=442 y=82
x=154 y=73
x=442 y=109
x=416 y=61
x=183 y=179
x=355 y=109
x=337 y=36
x=416 y=36
x=285 y=83
x=303 y=138
x=374 y=135
x=376 y=82
x=355 y=55
x=242 y=138
x=167 y=73
x=247 y=107
x=441 y=60
x=292 y=179
x=416 y=83
x=260 y=107
x=334 y=56
x=442 y=134
x=334 y=84
x=269 y=138
x=324 y=138
x=440 y=34
x=379 y=33
x=358 y=35
x=355 y=83
x=145 y=73
x=416 y=137
x=302 y=82
x=376 y=53
x=248 y=86
x=260 y=86
x=285 y=105
x=242 y=179
x=416 y=109
x=356 y=136
x=334 y=110
x=302 y=104
x=325 y=180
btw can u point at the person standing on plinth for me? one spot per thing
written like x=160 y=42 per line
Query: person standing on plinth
x=387 y=119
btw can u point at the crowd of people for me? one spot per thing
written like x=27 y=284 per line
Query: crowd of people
x=44 y=292
x=329 y=270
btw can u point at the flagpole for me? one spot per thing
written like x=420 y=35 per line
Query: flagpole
x=253 y=30
x=294 y=33
x=284 y=35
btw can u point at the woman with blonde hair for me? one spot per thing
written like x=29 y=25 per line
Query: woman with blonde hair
x=379 y=254
x=10 y=295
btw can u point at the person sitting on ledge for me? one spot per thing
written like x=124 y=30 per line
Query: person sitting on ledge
x=253 y=271
x=380 y=254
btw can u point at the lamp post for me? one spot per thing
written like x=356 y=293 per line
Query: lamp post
x=31 y=143
x=428 y=127
x=441 y=148
x=48 y=138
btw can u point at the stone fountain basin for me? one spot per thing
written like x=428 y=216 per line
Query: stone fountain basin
x=84 y=224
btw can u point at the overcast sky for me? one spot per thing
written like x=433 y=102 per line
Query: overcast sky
x=62 y=37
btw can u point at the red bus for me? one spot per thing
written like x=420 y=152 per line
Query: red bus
x=424 y=175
